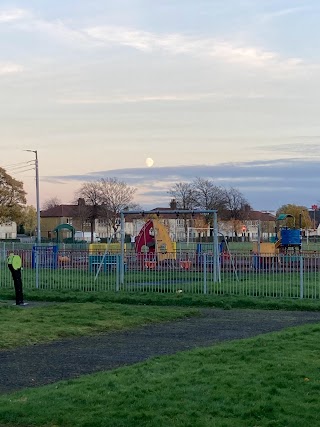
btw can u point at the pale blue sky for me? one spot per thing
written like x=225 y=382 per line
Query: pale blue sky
x=227 y=90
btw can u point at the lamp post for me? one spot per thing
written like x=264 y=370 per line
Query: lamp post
x=37 y=195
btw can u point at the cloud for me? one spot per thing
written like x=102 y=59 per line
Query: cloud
x=11 y=15
x=283 y=12
x=7 y=68
x=110 y=36
x=181 y=44
x=172 y=97
x=266 y=184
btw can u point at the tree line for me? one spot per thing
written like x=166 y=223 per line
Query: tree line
x=107 y=197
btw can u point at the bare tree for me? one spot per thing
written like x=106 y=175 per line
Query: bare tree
x=51 y=203
x=90 y=193
x=236 y=204
x=183 y=198
x=115 y=196
x=237 y=207
x=208 y=195
x=183 y=194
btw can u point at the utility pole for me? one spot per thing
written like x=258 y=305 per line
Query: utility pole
x=37 y=195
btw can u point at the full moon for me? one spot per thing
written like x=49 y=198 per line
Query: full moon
x=149 y=162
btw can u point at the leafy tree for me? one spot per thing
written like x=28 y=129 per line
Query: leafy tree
x=295 y=211
x=29 y=220
x=12 y=198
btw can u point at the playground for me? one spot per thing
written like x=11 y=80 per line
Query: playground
x=281 y=267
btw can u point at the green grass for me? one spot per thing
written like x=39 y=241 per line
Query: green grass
x=26 y=326
x=268 y=381
x=281 y=284
x=168 y=299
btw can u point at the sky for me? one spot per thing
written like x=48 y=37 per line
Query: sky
x=226 y=90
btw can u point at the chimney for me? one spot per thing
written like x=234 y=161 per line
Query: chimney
x=173 y=204
x=81 y=202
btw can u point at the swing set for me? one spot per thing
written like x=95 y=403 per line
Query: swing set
x=154 y=246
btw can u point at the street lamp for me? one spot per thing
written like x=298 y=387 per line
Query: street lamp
x=37 y=195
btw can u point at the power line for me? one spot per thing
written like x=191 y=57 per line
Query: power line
x=24 y=170
x=12 y=165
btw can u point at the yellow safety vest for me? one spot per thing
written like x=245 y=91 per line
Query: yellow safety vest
x=15 y=261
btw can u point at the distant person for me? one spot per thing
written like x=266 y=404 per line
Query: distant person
x=133 y=242
x=14 y=265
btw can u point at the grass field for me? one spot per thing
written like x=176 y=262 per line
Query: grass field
x=26 y=326
x=271 y=380
x=166 y=299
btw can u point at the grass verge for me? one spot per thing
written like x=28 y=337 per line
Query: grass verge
x=271 y=380
x=25 y=326
x=163 y=299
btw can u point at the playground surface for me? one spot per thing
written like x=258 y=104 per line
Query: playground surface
x=42 y=364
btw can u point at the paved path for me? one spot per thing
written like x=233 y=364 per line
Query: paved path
x=47 y=363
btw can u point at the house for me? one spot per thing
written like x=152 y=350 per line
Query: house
x=190 y=227
x=315 y=221
x=254 y=219
x=8 y=230
x=247 y=227
x=76 y=216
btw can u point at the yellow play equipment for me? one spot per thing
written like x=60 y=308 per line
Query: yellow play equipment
x=153 y=239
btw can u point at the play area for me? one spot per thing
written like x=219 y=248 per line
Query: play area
x=284 y=246
x=157 y=262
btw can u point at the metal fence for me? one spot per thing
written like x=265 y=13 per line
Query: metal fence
x=280 y=276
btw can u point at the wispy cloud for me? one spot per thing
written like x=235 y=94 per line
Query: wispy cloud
x=283 y=12
x=170 y=97
x=108 y=36
x=7 y=68
x=11 y=15
x=180 y=44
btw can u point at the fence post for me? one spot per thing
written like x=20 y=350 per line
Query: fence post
x=122 y=247
x=301 y=277
x=117 y=273
x=205 y=273
x=216 y=264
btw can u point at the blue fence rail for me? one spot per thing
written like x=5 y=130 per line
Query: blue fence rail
x=280 y=276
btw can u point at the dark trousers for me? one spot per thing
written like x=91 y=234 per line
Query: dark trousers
x=16 y=276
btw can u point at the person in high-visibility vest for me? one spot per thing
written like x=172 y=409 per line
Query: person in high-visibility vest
x=14 y=265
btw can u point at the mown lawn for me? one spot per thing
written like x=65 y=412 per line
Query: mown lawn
x=161 y=299
x=271 y=380
x=21 y=326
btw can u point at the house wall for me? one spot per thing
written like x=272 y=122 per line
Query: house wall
x=49 y=224
x=8 y=230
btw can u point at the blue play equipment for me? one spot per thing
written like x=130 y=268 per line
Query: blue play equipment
x=45 y=256
x=289 y=237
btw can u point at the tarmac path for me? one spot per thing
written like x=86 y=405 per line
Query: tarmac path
x=41 y=364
